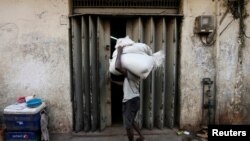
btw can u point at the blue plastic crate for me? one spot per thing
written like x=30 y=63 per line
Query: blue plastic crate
x=22 y=122
x=22 y=118
x=22 y=136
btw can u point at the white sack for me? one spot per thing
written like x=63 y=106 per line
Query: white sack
x=126 y=41
x=139 y=48
x=159 y=59
x=139 y=64
x=136 y=57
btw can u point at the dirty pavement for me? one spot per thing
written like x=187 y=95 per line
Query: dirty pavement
x=118 y=134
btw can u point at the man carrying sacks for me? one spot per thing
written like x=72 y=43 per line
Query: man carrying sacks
x=135 y=61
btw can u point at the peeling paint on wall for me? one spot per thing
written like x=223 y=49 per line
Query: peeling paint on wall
x=34 y=56
x=221 y=62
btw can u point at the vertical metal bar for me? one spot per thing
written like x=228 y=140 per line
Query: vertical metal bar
x=107 y=45
x=77 y=78
x=170 y=77
x=129 y=28
x=139 y=35
x=86 y=73
x=148 y=98
x=103 y=38
x=93 y=73
x=134 y=29
x=159 y=75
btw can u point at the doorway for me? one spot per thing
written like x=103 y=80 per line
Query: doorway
x=97 y=103
x=118 y=30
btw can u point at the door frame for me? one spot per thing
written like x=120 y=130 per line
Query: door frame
x=86 y=115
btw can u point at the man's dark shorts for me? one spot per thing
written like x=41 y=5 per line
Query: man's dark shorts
x=129 y=110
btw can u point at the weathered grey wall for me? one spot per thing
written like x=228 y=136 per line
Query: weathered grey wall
x=219 y=62
x=245 y=70
x=196 y=62
x=34 y=56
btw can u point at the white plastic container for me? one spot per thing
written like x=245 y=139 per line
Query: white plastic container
x=23 y=109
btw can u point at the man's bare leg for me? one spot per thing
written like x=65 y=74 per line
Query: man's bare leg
x=137 y=129
x=130 y=134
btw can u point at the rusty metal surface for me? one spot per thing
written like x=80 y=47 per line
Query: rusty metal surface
x=127 y=3
x=86 y=74
x=77 y=81
x=170 y=72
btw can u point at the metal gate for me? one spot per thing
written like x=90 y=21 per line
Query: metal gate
x=91 y=45
x=127 y=3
